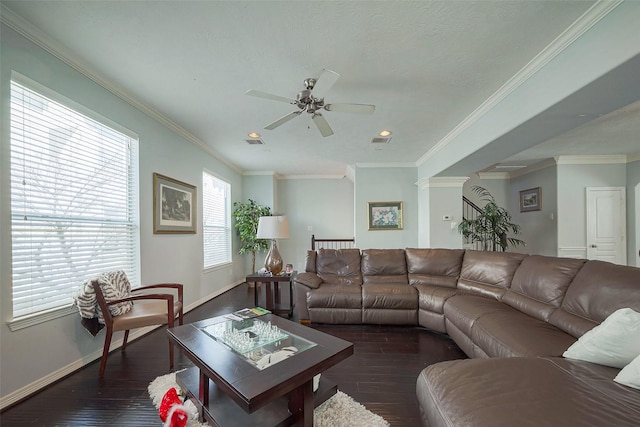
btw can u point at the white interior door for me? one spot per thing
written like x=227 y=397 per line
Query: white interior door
x=606 y=224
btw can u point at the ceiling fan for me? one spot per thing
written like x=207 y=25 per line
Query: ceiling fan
x=311 y=100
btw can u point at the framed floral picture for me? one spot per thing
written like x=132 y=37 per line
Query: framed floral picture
x=530 y=200
x=385 y=215
x=174 y=206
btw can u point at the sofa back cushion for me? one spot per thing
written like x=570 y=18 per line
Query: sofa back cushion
x=599 y=289
x=339 y=266
x=540 y=283
x=310 y=262
x=384 y=266
x=440 y=267
x=488 y=273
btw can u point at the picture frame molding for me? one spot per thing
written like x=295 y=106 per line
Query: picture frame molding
x=164 y=226
x=526 y=197
x=373 y=207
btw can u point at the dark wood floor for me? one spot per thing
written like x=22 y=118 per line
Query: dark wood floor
x=381 y=374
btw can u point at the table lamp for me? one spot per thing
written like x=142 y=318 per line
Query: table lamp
x=273 y=227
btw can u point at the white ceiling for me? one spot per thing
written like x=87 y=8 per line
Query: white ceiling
x=426 y=65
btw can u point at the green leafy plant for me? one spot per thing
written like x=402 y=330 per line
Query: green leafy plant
x=491 y=226
x=247 y=216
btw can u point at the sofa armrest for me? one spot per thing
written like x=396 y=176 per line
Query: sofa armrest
x=310 y=280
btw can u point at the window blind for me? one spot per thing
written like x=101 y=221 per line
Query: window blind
x=216 y=220
x=73 y=201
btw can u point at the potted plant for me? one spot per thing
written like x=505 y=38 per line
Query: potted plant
x=247 y=216
x=491 y=225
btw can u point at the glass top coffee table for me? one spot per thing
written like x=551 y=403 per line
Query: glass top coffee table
x=256 y=371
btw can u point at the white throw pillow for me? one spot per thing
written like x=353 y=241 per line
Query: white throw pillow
x=615 y=342
x=630 y=374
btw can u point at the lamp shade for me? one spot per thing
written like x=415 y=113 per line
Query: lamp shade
x=273 y=227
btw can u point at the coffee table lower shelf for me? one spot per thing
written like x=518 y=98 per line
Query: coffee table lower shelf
x=223 y=411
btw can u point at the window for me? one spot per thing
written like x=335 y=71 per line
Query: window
x=216 y=221
x=74 y=202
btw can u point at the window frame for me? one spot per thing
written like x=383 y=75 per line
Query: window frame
x=228 y=225
x=132 y=191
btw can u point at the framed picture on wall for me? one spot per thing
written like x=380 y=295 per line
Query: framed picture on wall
x=174 y=206
x=385 y=215
x=531 y=200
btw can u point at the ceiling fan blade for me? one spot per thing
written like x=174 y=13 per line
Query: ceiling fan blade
x=323 y=83
x=270 y=96
x=282 y=120
x=351 y=108
x=322 y=124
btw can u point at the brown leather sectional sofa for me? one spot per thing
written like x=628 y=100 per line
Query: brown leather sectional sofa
x=513 y=314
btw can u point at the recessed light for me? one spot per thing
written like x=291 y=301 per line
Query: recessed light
x=385 y=133
x=254 y=135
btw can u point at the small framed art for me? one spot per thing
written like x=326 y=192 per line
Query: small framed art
x=531 y=200
x=385 y=215
x=174 y=206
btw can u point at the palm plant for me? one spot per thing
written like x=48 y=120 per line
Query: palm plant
x=491 y=226
x=247 y=216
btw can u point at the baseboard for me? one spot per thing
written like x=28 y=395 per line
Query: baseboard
x=34 y=387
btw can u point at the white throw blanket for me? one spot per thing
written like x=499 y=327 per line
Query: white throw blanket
x=115 y=285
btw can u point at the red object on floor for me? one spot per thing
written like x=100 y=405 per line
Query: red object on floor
x=172 y=412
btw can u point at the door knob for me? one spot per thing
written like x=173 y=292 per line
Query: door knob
x=594 y=246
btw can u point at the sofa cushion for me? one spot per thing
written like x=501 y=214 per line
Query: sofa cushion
x=433 y=297
x=334 y=296
x=524 y=391
x=615 y=342
x=439 y=267
x=464 y=310
x=599 y=289
x=540 y=283
x=310 y=262
x=514 y=334
x=339 y=266
x=310 y=280
x=384 y=265
x=389 y=296
x=488 y=273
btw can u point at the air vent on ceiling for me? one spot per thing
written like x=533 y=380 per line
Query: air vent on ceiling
x=380 y=140
x=254 y=141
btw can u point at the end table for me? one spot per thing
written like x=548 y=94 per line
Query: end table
x=272 y=300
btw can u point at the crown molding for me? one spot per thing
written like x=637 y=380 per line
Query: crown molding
x=494 y=175
x=442 y=182
x=591 y=159
x=633 y=157
x=533 y=168
x=588 y=19
x=259 y=173
x=386 y=165
x=44 y=41
x=286 y=177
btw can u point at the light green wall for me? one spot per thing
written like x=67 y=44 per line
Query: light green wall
x=324 y=205
x=539 y=228
x=34 y=353
x=633 y=213
x=572 y=183
x=386 y=185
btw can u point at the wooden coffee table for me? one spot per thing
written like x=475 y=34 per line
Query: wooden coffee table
x=231 y=389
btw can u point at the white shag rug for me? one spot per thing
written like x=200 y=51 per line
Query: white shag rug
x=339 y=411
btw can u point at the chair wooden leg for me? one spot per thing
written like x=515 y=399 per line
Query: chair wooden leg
x=170 y=324
x=105 y=352
x=126 y=338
